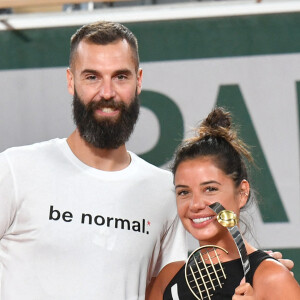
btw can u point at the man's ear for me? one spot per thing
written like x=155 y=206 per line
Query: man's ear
x=139 y=80
x=70 y=81
x=244 y=192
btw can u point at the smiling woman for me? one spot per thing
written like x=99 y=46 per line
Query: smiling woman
x=209 y=169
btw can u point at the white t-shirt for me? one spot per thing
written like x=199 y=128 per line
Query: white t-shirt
x=69 y=231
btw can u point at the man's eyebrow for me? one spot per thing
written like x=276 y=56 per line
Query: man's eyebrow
x=89 y=71
x=116 y=72
x=123 y=71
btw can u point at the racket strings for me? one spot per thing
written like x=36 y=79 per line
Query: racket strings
x=205 y=273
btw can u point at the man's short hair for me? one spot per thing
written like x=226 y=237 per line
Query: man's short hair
x=103 y=33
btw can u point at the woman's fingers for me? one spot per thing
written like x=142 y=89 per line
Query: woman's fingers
x=244 y=291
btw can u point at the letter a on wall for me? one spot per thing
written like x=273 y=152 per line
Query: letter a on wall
x=269 y=201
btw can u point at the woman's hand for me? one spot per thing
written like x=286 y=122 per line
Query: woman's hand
x=244 y=291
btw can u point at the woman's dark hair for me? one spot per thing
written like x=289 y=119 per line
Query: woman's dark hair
x=217 y=138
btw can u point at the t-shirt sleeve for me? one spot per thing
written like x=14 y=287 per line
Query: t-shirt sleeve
x=7 y=195
x=173 y=246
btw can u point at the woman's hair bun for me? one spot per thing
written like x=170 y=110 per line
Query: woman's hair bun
x=218 y=124
x=218 y=118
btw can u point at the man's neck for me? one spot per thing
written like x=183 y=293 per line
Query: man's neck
x=102 y=159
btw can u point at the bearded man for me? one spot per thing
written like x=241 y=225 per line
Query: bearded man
x=82 y=217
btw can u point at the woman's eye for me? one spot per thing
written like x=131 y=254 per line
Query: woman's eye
x=210 y=189
x=182 y=193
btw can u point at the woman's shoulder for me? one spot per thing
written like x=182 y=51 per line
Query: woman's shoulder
x=169 y=271
x=269 y=273
x=271 y=269
x=163 y=279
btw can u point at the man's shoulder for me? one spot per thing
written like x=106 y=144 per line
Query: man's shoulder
x=38 y=145
x=150 y=168
x=32 y=150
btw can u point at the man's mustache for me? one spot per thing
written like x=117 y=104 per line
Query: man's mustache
x=103 y=103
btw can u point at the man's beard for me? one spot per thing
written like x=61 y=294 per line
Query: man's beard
x=105 y=133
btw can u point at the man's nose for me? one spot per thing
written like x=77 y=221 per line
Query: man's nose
x=107 y=90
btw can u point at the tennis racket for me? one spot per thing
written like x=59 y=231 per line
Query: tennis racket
x=204 y=272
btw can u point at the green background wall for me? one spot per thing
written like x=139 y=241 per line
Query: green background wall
x=199 y=40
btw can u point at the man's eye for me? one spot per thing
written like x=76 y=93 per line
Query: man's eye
x=91 y=77
x=121 y=76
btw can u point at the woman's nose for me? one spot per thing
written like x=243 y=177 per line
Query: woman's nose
x=197 y=203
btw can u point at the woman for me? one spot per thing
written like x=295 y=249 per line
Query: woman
x=210 y=168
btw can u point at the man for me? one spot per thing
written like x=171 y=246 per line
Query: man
x=83 y=218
